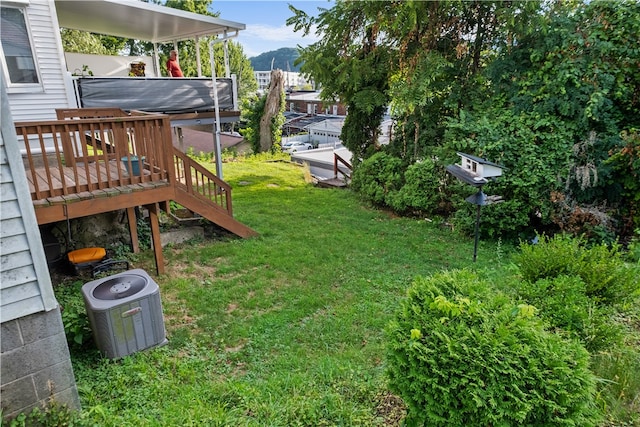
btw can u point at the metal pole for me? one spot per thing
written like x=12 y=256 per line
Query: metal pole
x=216 y=105
x=475 y=245
x=198 y=59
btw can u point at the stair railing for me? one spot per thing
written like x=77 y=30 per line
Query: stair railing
x=337 y=159
x=198 y=181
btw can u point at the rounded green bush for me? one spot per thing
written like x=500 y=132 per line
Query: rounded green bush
x=377 y=177
x=420 y=192
x=563 y=302
x=461 y=354
x=607 y=278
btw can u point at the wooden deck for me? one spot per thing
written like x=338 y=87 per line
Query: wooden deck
x=79 y=179
x=81 y=165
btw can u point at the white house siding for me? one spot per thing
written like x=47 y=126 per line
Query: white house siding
x=25 y=284
x=326 y=132
x=47 y=48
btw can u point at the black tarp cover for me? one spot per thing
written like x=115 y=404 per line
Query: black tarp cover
x=156 y=95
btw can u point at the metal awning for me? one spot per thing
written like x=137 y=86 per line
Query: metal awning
x=139 y=20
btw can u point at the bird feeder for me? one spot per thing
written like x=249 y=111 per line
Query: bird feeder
x=476 y=171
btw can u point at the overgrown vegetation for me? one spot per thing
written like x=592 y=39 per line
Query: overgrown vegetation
x=289 y=328
x=548 y=90
x=53 y=415
x=74 y=315
x=254 y=111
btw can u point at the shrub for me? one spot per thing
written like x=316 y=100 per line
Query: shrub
x=462 y=354
x=607 y=278
x=420 y=193
x=563 y=302
x=550 y=257
x=499 y=219
x=76 y=323
x=633 y=248
x=378 y=176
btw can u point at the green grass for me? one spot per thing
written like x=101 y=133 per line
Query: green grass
x=285 y=329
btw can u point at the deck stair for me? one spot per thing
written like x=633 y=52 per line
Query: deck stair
x=202 y=192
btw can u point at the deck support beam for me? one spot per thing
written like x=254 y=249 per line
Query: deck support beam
x=133 y=229
x=155 y=237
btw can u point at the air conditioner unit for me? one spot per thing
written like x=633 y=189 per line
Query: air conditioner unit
x=125 y=312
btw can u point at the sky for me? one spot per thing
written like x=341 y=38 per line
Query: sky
x=266 y=22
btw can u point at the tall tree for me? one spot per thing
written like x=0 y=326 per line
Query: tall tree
x=422 y=58
x=443 y=48
x=264 y=116
x=81 y=42
x=552 y=109
x=351 y=63
x=546 y=88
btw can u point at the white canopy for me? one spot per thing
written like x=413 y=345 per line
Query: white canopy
x=139 y=20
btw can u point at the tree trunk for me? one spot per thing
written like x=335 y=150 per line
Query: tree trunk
x=271 y=109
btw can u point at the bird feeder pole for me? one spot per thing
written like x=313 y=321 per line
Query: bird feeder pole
x=476 y=171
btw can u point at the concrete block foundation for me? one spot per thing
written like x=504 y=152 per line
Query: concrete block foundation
x=35 y=366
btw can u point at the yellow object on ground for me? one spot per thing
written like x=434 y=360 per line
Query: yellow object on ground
x=85 y=255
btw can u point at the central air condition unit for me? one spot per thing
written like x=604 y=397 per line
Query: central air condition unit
x=125 y=313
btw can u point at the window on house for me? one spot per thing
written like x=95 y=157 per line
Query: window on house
x=19 y=62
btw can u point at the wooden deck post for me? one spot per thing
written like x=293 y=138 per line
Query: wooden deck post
x=133 y=229
x=155 y=237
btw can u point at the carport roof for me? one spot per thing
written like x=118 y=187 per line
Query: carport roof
x=139 y=20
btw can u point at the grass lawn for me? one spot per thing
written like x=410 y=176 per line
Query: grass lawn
x=285 y=329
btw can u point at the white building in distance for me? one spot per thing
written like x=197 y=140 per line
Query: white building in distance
x=292 y=80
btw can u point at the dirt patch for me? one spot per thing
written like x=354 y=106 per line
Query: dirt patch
x=391 y=408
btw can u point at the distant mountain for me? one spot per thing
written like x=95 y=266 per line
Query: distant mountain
x=282 y=58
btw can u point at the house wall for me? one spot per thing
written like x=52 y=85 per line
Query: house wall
x=25 y=284
x=35 y=365
x=107 y=65
x=302 y=106
x=57 y=90
x=324 y=136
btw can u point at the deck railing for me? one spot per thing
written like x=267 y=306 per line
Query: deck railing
x=91 y=161
x=64 y=157
x=107 y=148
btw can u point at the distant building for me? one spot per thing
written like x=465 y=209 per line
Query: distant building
x=325 y=132
x=309 y=102
x=321 y=129
x=292 y=80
